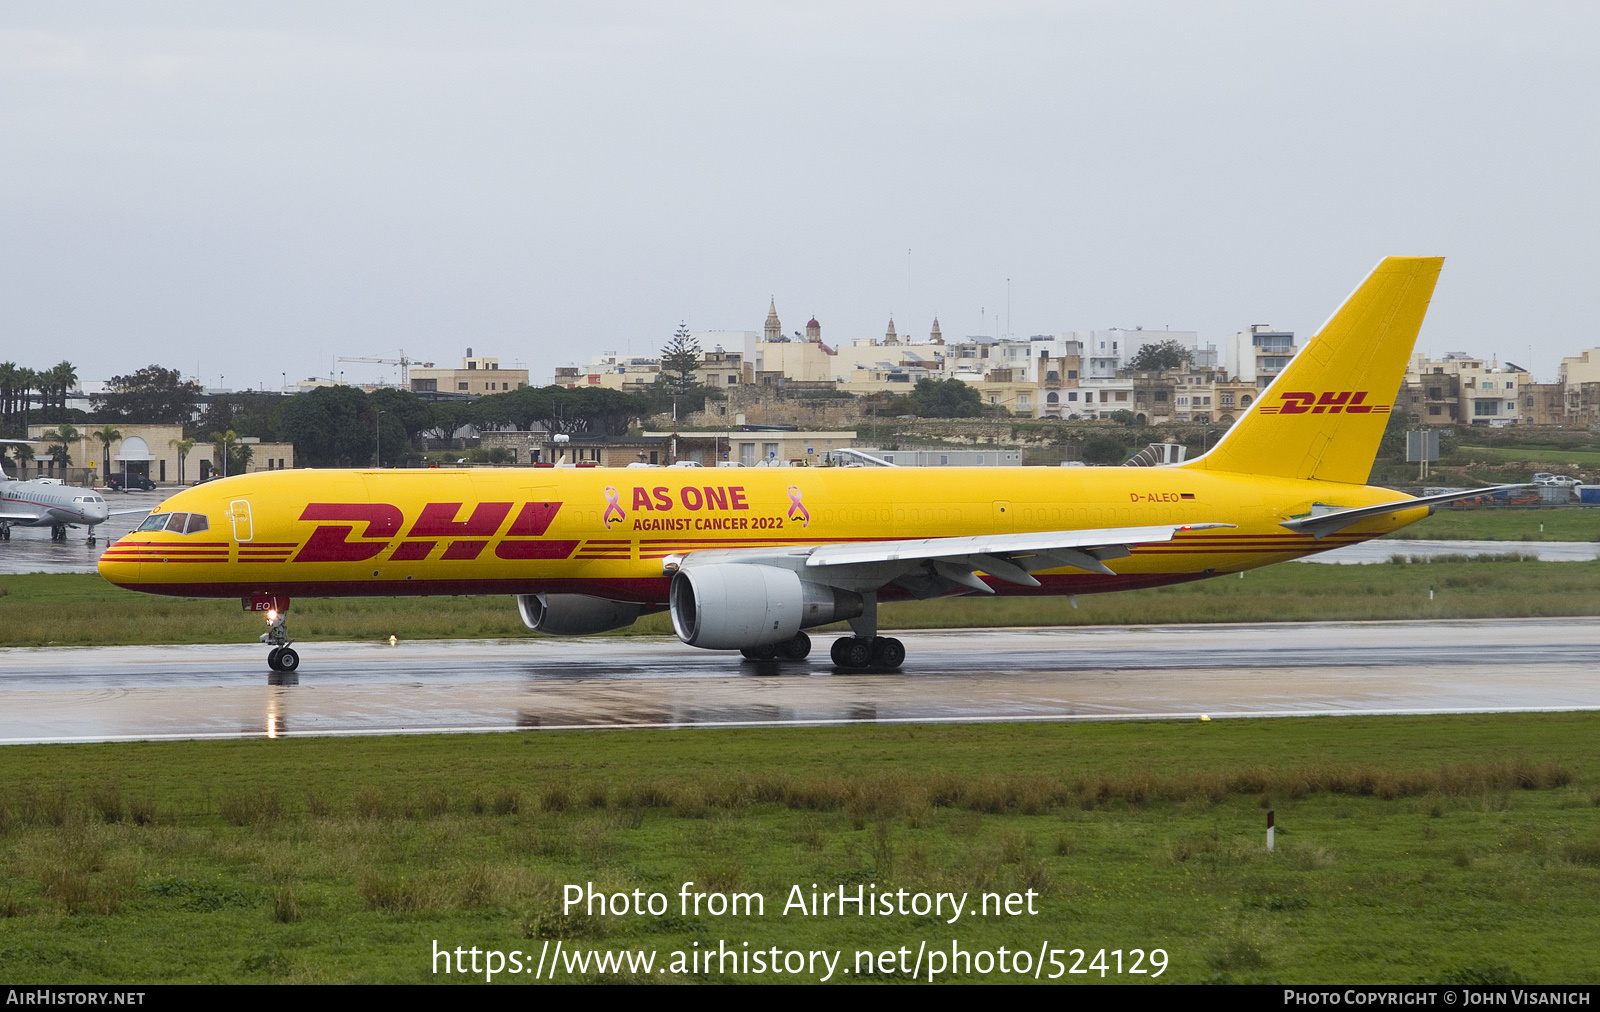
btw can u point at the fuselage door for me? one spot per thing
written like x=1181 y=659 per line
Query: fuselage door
x=1004 y=519
x=243 y=526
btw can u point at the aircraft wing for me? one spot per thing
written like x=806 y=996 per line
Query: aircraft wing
x=23 y=517
x=932 y=567
x=1321 y=525
x=123 y=513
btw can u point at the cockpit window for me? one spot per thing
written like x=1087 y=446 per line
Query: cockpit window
x=176 y=523
x=154 y=522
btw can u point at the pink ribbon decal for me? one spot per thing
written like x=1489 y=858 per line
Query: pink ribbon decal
x=796 y=506
x=613 y=507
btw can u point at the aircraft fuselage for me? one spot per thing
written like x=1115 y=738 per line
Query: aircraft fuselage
x=613 y=533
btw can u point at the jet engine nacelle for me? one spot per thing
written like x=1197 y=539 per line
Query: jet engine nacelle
x=575 y=614
x=729 y=606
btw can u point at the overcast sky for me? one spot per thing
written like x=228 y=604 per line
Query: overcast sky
x=247 y=190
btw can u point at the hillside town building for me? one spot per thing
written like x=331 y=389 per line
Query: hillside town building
x=478 y=376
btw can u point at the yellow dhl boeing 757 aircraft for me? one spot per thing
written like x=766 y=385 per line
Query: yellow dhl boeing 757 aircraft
x=748 y=559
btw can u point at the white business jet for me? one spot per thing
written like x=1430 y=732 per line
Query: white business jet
x=50 y=502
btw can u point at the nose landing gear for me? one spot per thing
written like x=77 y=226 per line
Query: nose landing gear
x=281 y=657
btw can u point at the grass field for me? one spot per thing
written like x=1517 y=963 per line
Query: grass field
x=1580 y=523
x=82 y=609
x=1444 y=848
x=1514 y=454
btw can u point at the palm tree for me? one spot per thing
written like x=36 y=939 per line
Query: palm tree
x=8 y=387
x=224 y=440
x=26 y=380
x=61 y=439
x=62 y=377
x=183 y=446
x=107 y=436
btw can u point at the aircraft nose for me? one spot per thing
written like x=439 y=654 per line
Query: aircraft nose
x=119 y=565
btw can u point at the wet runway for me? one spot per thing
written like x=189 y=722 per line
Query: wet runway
x=1085 y=673
x=1384 y=549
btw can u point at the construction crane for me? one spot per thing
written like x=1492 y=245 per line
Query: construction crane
x=403 y=362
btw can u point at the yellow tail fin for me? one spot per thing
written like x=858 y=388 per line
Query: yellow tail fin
x=1325 y=413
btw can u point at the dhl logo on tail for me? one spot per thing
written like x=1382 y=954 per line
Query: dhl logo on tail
x=1300 y=403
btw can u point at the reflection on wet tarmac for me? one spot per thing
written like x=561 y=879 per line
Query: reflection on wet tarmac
x=275 y=722
x=1085 y=673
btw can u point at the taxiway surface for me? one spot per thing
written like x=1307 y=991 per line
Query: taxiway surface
x=1083 y=673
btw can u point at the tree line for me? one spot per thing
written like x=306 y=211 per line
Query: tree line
x=21 y=388
x=329 y=426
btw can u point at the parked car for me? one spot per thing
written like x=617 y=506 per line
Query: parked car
x=1546 y=478
x=116 y=483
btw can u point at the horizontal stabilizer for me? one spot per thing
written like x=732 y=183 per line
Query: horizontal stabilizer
x=1321 y=526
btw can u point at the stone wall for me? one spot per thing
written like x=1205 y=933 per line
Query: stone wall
x=769 y=405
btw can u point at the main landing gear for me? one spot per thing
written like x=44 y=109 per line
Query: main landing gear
x=58 y=532
x=797 y=649
x=866 y=650
x=851 y=653
x=868 y=653
x=5 y=532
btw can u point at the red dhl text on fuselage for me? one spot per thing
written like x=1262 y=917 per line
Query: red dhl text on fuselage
x=525 y=530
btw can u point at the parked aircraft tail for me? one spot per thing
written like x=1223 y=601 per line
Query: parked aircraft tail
x=1325 y=413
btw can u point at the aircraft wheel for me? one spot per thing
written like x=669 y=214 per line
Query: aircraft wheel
x=288 y=660
x=888 y=653
x=272 y=658
x=852 y=652
x=797 y=649
x=761 y=653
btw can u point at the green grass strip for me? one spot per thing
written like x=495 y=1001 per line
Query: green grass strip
x=1461 y=848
